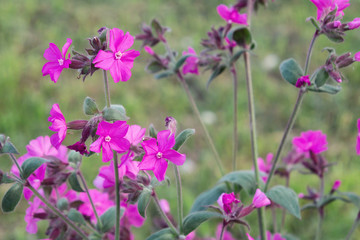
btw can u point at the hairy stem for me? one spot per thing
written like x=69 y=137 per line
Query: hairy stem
x=106 y=89
x=354 y=226
x=222 y=231
x=180 y=206
x=13 y=158
x=58 y=212
x=319 y=227
x=82 y=179
x=117 y=197
x=162 y=213
x=292 y=118
x=235 y=112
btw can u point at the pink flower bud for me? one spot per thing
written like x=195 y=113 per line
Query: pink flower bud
x=354 y=24
x=171 y=123
x=249 y=237
x=149 y=50
x=336 y=185
x=301 y=195
x=357 y=56
x=164 y=204
x=260 y=199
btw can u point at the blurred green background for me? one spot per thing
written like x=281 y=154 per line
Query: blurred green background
x=26 y=28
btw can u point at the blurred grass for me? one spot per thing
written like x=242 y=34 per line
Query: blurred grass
x=26 y=28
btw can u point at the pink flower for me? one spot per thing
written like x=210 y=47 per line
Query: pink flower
x=164 y=204
x=300 y=82
x=156 y=151
x=131 y=215
x=117 y=60
x=111 y=138
x=265 y=166
x=58 y=125
x=191 y=236
x=314 y=141
x=357 y=56
x=33 y=209
x=249 y=237
x=326 y=6
x=260 y=199
x=227 y=201
x=149 y=50
x=135 y=134
x=358 y=137
x=227 y=235
x=191 y=63
x=354 y=23
x=276 y=236
x=42 y=147
x=230 y=15
x=301 y=195
x=101 y=202
x=57 y=60
x=336 y=185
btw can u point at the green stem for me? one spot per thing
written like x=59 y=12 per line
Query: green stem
x=319 y=227
x=292 y=118
x=283 y=217
x=180 y=206
x=90 y=199
x=235 y=112
x=106 y=89
x=58 y=213
x=13 y=158
x=353 y=228
x=222 y=231
x=274 y=219
x=197 y=113
x=162 y=213
x=117 y=197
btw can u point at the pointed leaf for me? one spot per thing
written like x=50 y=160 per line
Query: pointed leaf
x=6 y=146
x=285 y=197
x=74 y=183
x=327 y=88
x=216 y=72
x=76 y=216
x=108 y=219
x=209 y=197
x=30 y=165
x=236 y=56
x=143 y=202
x=353 y=198
x=245 y=179
x=12 y=197
x=154 y=67
x=291 y=71
x=193 y=220
x=6 y=179
x=181 y=61
x=182 y=137
x=164 y=74
x=320 y=77
x=163 y=234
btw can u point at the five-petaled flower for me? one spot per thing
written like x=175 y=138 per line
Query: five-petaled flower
x=191 y=63
x=58 y=125
x=156 y=153
x=231 y=15
x=111 y=138
x=118 y=59
x=57 y=60
x=314 y=141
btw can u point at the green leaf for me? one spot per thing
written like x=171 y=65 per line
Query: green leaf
x=76 y=216
x=12 y=197
x=115 y=112
x=320 y=77
x=308 y=206
x=291 y=71
x=245 y=179
x=30 y=165
x=241 y=35
x=353 y=198
x=163 y=234
x=143 y=202
x=164 y=74
x=236 y=56
x=154 y=67
x=182 y=137
x=6 y=146
x=180 y=62
x=74 y=182
x=216 y=72
x=329 y=199
x=152 y=131
x=193 y=220
x=90 y=107
x=108 y=219
x=314 y=22
x=75 y=157
x=6 y=179
x=285 y=197
x=334 y=36
x=326 y=88
x=209 y=197
x=156 y=26
x=95 y=236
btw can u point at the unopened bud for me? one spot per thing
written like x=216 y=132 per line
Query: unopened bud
x=170 y=124
x=62 y=204
x=75 y=157
x=345 y=63
x=336 y=76
x=335 y=186
x=90 y=107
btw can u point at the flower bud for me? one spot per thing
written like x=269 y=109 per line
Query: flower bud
x=75 y=157
x=90 y=107
x=77 y=124
x=336 y=76
x=335 y=186
x=170 y=124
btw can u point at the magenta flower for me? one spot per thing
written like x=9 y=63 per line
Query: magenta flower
x=357 y=57
x=118 y=60
x=164 y=204
x=324 y=7
x=354 y=23
x=314 y=141
x=265 y=166
x=191 y=63
x=300 y=82
x=276 y=236
x=111 y=138
x=57 y=60
x=231 y=15
x=260 y=199
x=336 y=185
x=101 y=201
x=227 y=201
x=33 y=209
x=135 y=134
x=58 y=125
x=358 y=137
x=156 y=151
x=131 y=215
x=149 y=50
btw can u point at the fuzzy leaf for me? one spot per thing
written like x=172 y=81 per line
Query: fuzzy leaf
x=291 y=71
x=320 y=77
x=143 y=202
x=152 y=131
x=108 y=219
x=115 y=112
x=164 y=74
x=163 y=234
x=236 y=56
x=241 y=35
x=90 y=107
x=353 y=198
x=209 y=197
x=74 y=183
x=154 y=67
x=12 y=197
x=30 y=165
x=76 y=216
x=245 y=179
x=62 y=204
x=285 y=197
x=182 y=137
x=334 y=36
x=193 y=220
x=6 y=179
x=326 y=88
x=216 y=72
x=181 y=61
x=6 y=146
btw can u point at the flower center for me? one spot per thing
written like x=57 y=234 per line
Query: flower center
x=107 y=139
x=118 y=55
x=159 y=155
x=61 y=61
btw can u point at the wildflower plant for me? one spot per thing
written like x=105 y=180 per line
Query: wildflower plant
x=137 y=159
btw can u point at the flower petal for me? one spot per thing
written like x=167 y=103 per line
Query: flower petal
x=66 y=46
x=104 y=60
x=148 y=162
x=166 y=140
x=160 y=169
x=175 y=157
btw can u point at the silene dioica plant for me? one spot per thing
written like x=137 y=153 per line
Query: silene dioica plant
x=136 y=159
